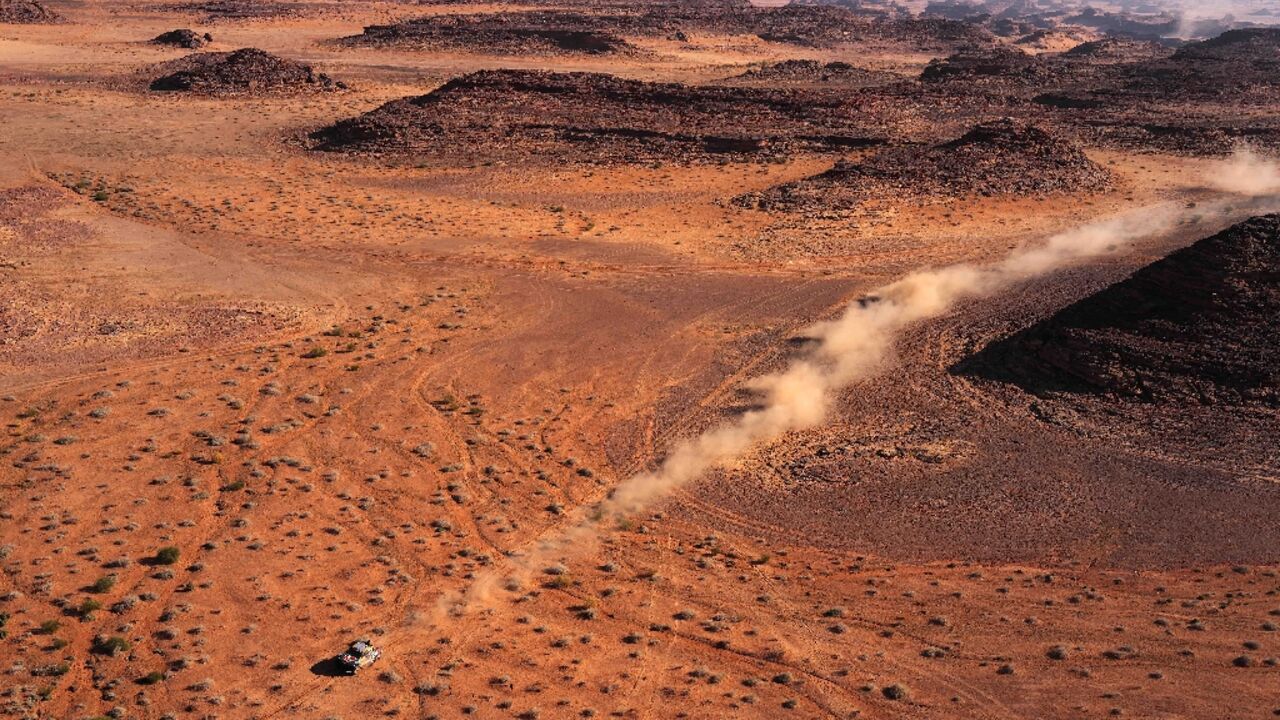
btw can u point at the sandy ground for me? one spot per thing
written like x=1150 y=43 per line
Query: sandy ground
x=346 y=391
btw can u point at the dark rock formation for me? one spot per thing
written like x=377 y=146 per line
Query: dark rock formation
x=1261 y=45
x=245 y=71
x=1124 y=24
x=812 y=72
x=510 y=33
x=1001 y=63
x=184 y=38
x=605 y=28
x=1003 y=157
x=27 y=12
x=600 y=118
x=216 y=10
x=1203 y=98
x=1199 y=326
x=1116 y=50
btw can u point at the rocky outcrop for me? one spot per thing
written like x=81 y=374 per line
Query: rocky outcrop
x=1119 y=50
x=599 y=118
x=606 y=28
x=183 y=38
x=1196 y=327
x=248 y=71
x=1204 y=98
x=27 y=12
x=503 y=32
x=1004 y=157
x=976 y=65
x=217 y=10
x=812 y=72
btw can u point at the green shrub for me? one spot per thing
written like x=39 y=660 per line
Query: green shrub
x=315 y=352
x=110 y=645
x=103 y=584
x=167 y=555
x=151 y=678
x=88 y=607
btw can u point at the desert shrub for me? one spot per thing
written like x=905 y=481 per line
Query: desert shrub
x=56 y=670
x=151 y=678
x=315 y=352
x=112 y=645
x=103 y=584
x=167 y=555
x=559 y=582
x=86 y=609
x=895 y=692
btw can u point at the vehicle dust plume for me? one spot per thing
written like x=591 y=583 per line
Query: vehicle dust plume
x=1246 y=173
x=857 y=345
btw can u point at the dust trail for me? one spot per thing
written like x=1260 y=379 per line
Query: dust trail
x=854 y=347
x=1246 y=173
x=858 y=344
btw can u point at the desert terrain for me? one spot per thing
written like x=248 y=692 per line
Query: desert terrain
x=639 y=359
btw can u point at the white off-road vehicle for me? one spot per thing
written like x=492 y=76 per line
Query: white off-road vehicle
x=361 y=654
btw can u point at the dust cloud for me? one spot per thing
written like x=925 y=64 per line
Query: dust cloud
x=1246 y=173
x=858 y=343
x=854 y=347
